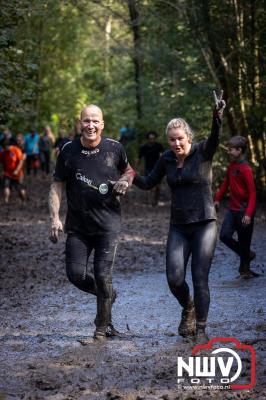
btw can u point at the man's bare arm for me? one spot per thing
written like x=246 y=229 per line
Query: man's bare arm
x=54 y=201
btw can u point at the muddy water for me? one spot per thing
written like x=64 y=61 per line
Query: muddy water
x=47 y=350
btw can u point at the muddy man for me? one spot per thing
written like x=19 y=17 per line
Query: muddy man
x=95 y=171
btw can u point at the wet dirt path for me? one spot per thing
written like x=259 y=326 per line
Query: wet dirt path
x=47 y=350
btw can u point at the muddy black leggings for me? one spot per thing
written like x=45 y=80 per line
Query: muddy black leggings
x=199 y=240
x=97 y=279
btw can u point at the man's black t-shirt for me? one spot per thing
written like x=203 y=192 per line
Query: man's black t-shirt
x=151 y=153
x=92 y=208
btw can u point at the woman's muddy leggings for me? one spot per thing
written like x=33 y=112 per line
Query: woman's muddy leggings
x=199 y=240
x=96 y=279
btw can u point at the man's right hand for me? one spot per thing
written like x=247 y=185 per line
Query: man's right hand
x=55 y=227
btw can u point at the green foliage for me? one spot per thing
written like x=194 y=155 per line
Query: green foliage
x=58 y=56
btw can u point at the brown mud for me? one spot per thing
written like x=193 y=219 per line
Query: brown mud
x=47 y=350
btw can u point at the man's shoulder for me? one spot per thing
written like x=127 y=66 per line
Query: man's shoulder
x=70 y=146
x=109 y=142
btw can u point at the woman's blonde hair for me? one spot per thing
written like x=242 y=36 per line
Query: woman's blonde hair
x=182 y=124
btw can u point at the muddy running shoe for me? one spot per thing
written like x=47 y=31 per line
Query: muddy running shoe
x=109 y=332
x=100 y=334
x=201 y=337
x=188 y=323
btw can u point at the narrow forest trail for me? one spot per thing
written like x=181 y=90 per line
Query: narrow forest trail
x=47 y=350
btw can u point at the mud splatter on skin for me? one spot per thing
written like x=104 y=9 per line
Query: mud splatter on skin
x=47 y=350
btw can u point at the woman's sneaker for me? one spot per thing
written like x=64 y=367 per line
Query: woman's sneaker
x=187 y=324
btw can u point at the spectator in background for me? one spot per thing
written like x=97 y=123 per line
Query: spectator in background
x=46 y=143
x=32 y=151
x=126 y=133
x=20 y=142
x=5 y=133
x=12 y=159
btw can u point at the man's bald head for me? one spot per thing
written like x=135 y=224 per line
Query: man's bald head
x=91 y=109
x=91 y=124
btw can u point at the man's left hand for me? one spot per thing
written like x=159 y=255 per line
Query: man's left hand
x=246 y=220
x=120 y=187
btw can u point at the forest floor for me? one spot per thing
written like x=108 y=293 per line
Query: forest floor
x=46 y=345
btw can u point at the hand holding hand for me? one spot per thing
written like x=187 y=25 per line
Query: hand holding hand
x=55 y=227
x=220 y=104
x=120 y=187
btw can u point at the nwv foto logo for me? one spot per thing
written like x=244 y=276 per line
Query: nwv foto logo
x=222 y=366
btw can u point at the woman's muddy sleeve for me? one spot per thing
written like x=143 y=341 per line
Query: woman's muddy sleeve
x=155 y=177
x=210 y=145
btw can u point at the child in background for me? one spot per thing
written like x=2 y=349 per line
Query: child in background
x=242 y=200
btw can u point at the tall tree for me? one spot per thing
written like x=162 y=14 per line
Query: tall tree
x=233 y=34
x=135 y=26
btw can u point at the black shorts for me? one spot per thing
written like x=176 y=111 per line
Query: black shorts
x=14 y=183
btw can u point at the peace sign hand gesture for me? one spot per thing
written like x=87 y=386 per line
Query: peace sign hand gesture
x=220 y=104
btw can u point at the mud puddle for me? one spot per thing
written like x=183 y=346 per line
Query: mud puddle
x=47 y=350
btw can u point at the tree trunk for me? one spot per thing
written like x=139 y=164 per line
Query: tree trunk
x=135 y=26
x=107 y=31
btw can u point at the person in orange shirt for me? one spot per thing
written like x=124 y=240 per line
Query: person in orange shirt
x=12 y=159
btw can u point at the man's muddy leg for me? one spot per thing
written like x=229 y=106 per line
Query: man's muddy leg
x=105 y=251
x=78 y=271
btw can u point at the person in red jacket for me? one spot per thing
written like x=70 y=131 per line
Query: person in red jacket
x=242 y=201
x=12 y=159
